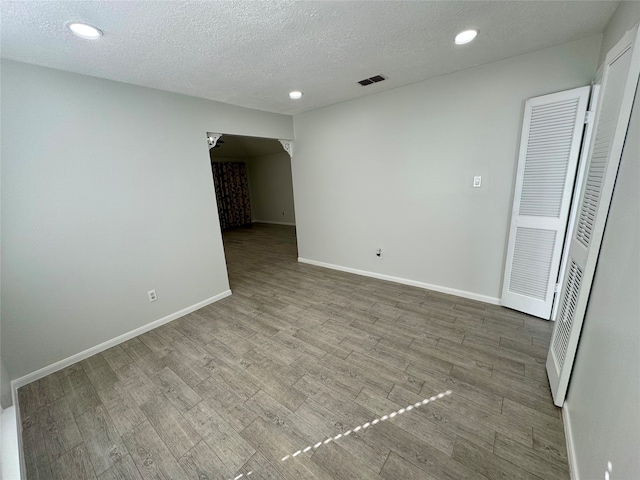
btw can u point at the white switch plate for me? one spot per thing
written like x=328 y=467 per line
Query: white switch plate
x=477 y=182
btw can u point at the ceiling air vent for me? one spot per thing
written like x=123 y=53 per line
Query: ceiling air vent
x=374 y=79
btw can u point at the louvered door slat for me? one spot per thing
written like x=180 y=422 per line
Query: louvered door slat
x=533 y=252
x=567 y=311
x=549 y=149
x=554 y=128
x=602 y=146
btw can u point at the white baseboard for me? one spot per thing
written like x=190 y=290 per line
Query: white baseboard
x=406 y=281
x=274 y=223
x=571 y=452
x=54 y=367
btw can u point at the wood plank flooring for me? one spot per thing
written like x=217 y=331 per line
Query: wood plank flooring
x=296 y=356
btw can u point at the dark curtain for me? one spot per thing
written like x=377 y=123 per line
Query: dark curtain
x=232 y=194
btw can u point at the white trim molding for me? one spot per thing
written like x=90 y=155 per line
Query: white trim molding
x=571 y=451
x=406 y=281
x=54 y=367
x=212 y=139
x=288 y=146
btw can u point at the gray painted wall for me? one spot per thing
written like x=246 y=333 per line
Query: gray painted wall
x=5 y=387
x=394 y=170
x=106 y=193
x=603 y=401
x=271 y=188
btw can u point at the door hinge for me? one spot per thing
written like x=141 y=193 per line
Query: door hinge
x=557 y=288
x=588 y=116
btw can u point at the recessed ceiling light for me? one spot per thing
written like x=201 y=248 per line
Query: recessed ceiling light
x=295 y=95
x=84 y=30
x=466 y=37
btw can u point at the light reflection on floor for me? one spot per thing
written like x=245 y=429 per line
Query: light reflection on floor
x=367 y=425
x=306 y=449
x=241 y=475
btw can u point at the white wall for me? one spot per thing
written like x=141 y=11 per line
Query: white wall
x=603 y=401
x=271 y=188
x=394 y=170
x=106 y=193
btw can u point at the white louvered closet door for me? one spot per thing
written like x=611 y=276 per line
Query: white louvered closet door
x=619 y=81
x=547 y=163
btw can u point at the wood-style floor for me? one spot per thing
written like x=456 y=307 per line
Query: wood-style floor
x=296 y=356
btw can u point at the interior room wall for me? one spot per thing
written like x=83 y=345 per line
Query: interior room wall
x=603 y=400
x=395 y=170
x=5 y=382
x=5 y=387
x=106 y=193
x=271 y=189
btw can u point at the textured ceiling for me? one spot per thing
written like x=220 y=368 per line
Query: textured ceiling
x=252 y=53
